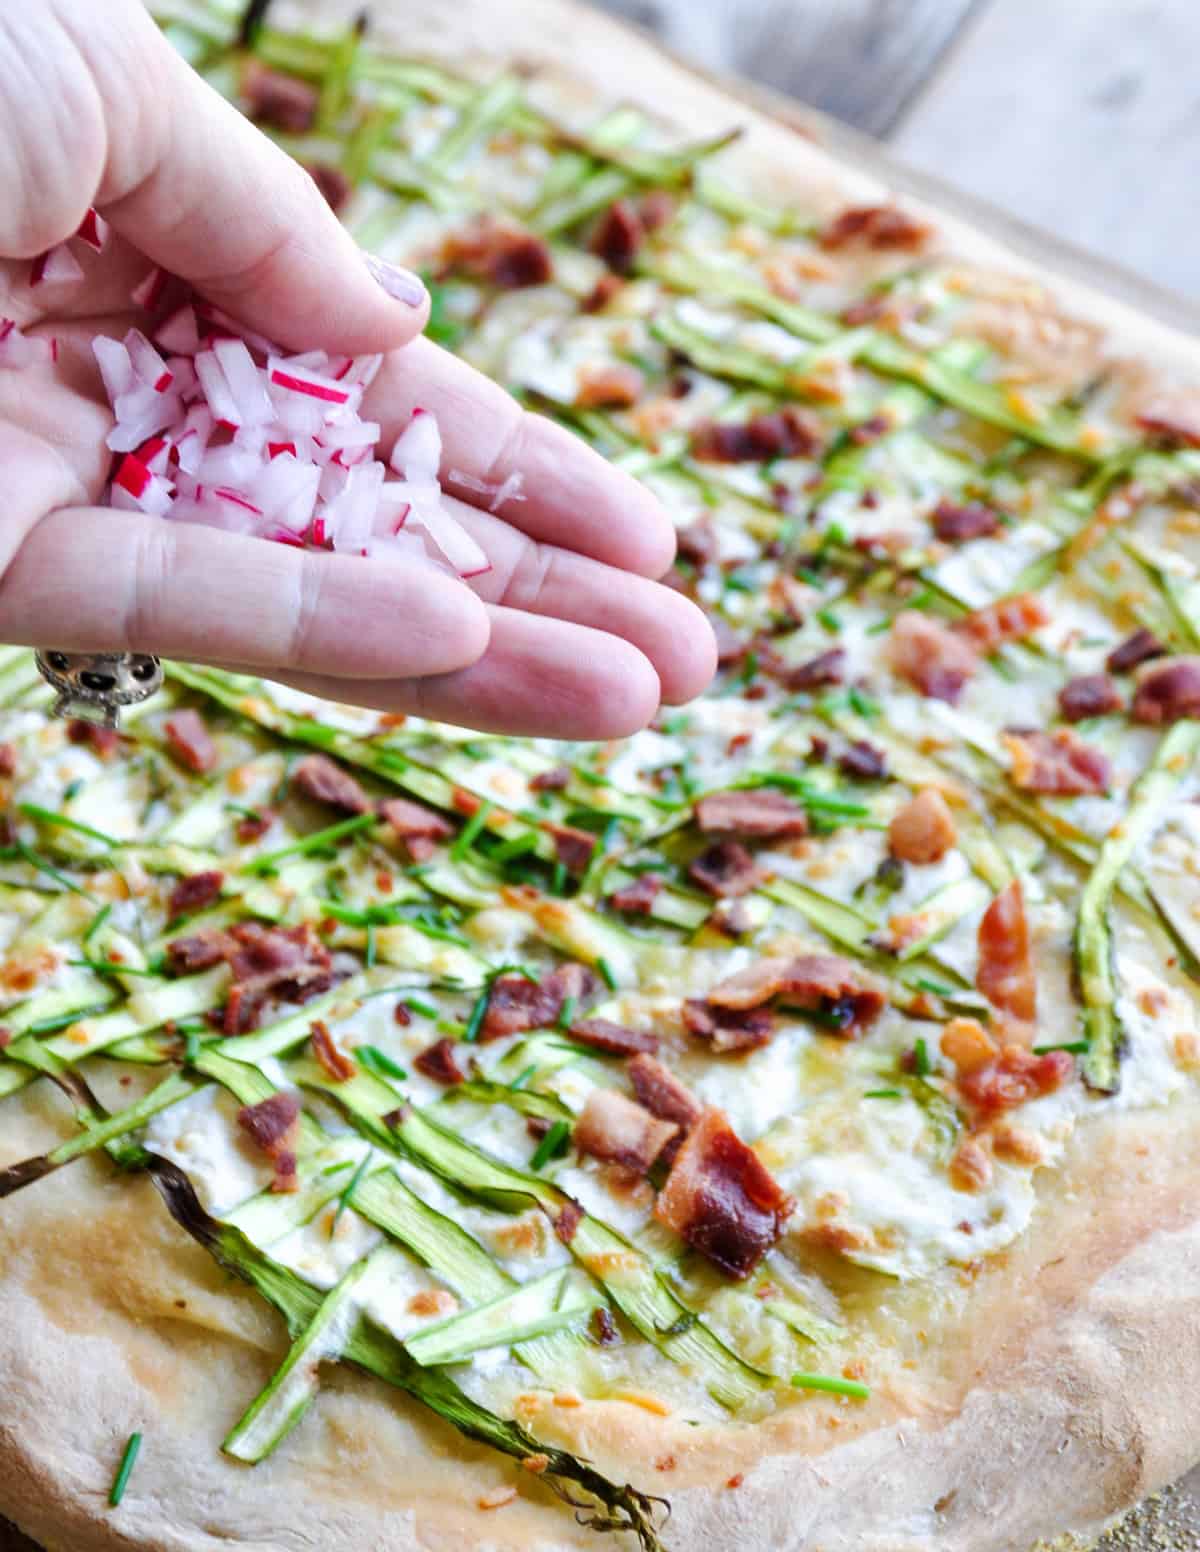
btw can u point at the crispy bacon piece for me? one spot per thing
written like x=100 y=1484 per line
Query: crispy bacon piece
x=728 y=1030
x=279 y=100
x=504 y=255
x=324 y=781
x=1059 y=763
x=568 y=1221
x=720 y=1198
x=1088 y=695
x=252 y=827
x=269 y=1123
x=786 y=433
x=934 y=659
x=1168 y=692
x=1172 y=425
x=198 y=951
x=104 y=741
x=602 y=293
x=439 y=1063
x=603 y=1327
x=272 y=964
x=1009 y=619
x=825 y=669
x=923 y=830
x=553 y=780
x=612 y=1039
x=195 y=893
x=189 y=741
x=874 y=226
x=615 y=386
x=656 y=207
x=954 y=523
x=329 y=1054
x=618 y=1131
x=619 y=235
x=726 y=869
x=333 y=183
x=762 y=812
x=1013 y=1078
x=698 y=542
x=870 y=430
x=863 y=761
x=516 y=1003
x=637 y=898
x=1006 y=975
x=815 y=983
x=572 y=847
x=8 y=760
x=1134 y=651
x=661 y=1092
x=420 y=828
x=273 y=1126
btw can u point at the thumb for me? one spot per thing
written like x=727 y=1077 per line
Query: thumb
x=199 y=190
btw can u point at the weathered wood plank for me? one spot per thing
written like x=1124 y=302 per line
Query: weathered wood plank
x=861 y=60
x=1082 y=116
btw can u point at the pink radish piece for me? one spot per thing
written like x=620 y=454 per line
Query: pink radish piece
x=93 y=230
x=56 y=267
x=148 y=293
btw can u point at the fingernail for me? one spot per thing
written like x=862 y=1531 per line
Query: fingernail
x=396 y=281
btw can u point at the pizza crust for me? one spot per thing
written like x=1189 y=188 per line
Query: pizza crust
x=1051 y=1389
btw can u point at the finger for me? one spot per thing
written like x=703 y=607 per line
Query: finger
x=544 y=579
x=539 y=678
x=87 y=579
x=196 y=187
x=569 y=495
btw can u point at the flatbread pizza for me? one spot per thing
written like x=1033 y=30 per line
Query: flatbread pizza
x=774 y=1131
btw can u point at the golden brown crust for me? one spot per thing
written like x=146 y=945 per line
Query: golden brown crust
x=1042 y=1391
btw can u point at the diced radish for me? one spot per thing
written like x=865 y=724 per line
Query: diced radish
x=245 y=383
x=184 y=373
x=452 y=539
x=93 y=230
x=214 y=321
x=364 y=370
x=286 y=489
x=418 y=449
x=147 y=363
x=132 y=475
x=230 y=466
x=179 y=334
x=275 y=448
x=217 y=392
x=350 y=521
x=148 y=293
x=300 y=380
x=116 y=369
x=56 y=267
x=155 y=454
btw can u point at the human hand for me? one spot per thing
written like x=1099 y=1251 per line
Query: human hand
x=566 y=635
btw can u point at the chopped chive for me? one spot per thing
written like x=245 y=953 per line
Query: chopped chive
x=865 y=705
x=378 y=1062
x=566 y=1013
x=606 y=974
x=510 y=850
x=471 y=1033
x=311 y=843
x=97 y=921
x=369 y=955
x=552 y=1146
x=191 y=1049
x=829 y=620
x=42 y=866
x=121 y=1481
x=48 y=1026
x=47 y=816
x=813 y=578
x=336 y=1169
x=883 y=1094
x=558 y=879
x=418 y=1006
x=1075 y=1047
x=923 y=983
x=466 y=836
x=832 y=1384
x=523 y=1077
x=72 y=789
x=351 y=1187
x=921 y=1063
x=453 y=1027
x=592 y=778
x=676 y=724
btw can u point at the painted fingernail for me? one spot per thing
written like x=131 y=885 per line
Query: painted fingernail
x=397 y=282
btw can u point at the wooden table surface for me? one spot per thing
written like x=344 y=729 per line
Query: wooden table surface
x=1079 y=116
